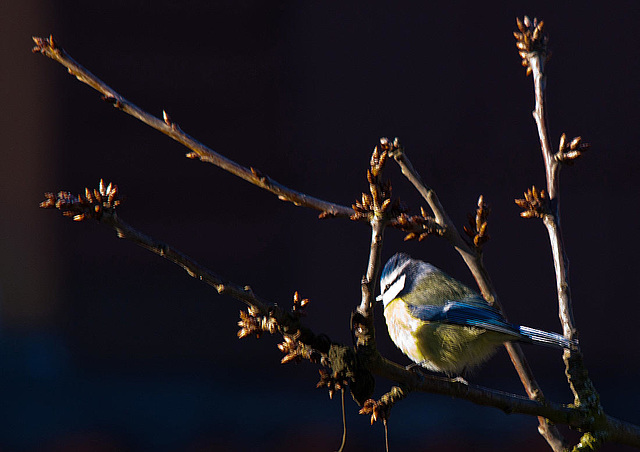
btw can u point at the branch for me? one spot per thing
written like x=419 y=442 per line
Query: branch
x=379 y=211
x=51 y=49
x=473 y=258
x=377 y=208
x=509 y=403
x=300 y=342
x=100 y=204
x=532 y=43
x=605 y=427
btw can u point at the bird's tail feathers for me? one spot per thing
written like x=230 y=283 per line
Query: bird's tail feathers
x=548 y=339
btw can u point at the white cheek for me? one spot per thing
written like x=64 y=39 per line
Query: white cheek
x=393 y=291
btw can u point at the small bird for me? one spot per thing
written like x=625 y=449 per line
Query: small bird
x=443 y=325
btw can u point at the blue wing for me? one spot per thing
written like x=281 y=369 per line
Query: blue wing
x=479 y=315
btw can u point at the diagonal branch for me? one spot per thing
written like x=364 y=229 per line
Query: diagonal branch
x=469 y=254
x=51 y=49
x=473 y=259
x=100 y=205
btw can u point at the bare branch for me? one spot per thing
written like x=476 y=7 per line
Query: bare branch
x=532 y=43
x=379 y=211
x=51 y=49
x=74 y=206
x=377 y=207
x=473 y=258
x=509 y=403
x=100 y=205
x=300 y=342
x=469 y=254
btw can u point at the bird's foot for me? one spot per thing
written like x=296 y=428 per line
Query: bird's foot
x=460 y=380
x=411 y=366
x=417 y=369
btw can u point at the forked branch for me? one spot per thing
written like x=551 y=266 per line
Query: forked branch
x=100 y=205
x=532 y=43
x=472 y=255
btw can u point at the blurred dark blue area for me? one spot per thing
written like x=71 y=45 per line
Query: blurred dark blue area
x=105 y=347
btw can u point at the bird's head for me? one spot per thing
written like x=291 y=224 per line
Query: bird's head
x=393 y=280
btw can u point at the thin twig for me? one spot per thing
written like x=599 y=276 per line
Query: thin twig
x=470 y=256
x=344 y=422
x=552 y=222
x=373 y=267
x=386 y=435
x=51 y=49
x=379 y=213
x=532 y=43
x=377 y=208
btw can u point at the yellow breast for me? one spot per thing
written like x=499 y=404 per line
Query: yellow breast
x=402 y=327
x=435 y=346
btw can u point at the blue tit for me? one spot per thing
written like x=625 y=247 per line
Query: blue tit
x=443 y=325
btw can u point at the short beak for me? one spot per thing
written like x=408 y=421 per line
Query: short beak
x=379 y=297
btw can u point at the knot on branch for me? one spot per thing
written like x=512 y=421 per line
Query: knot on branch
x=418 y=227
x=381 y=409
x=531 y=41
x=568 y=153
x=535 y=204
x=93 y=204
x=252 y=323
x=477 y=230
x=346 y=370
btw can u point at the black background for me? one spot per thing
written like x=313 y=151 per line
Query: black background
x=118 y=349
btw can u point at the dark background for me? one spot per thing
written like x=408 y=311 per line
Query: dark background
x=104 y=346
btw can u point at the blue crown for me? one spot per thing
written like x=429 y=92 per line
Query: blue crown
x=396 y=261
